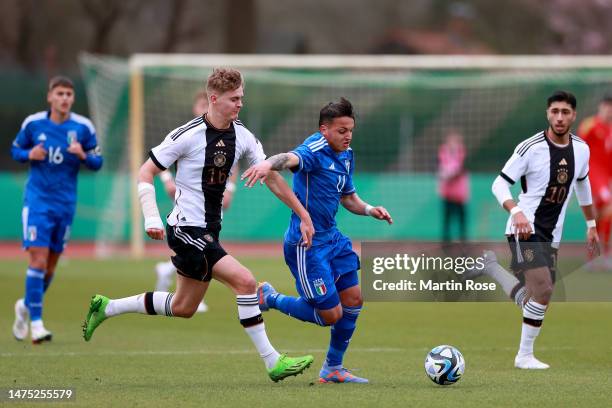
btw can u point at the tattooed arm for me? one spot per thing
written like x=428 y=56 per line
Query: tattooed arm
x=261 y=170
x=283 y=161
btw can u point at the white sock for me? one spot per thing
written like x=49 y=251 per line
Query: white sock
x=534 y=313
x=251 y=320
x=507 y=280
x=159 y=303
x=528 y=336
x=165 y=272
x=36 y=324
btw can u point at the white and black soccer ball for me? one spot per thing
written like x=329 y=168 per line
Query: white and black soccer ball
x=444 y=365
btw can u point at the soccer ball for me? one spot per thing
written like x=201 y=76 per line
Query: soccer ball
x=444 y=365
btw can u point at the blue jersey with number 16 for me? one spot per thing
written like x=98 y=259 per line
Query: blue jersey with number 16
x=322 y=178
x=52 y=182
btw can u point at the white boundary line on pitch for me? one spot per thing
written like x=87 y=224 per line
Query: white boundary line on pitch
x=182 y=353
x=111 y=353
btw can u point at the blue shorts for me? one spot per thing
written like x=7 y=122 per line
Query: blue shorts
x=45 y=229
x=323 y=271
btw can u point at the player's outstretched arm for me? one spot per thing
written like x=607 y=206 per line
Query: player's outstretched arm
x=356 y=205
x=146 y=192
x=281 y=189
x=260 y=171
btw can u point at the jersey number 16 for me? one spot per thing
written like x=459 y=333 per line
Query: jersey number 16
x=55 y=155
x=215 y=175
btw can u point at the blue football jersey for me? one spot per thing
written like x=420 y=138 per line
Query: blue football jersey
x=52 y=183
x=322 y=178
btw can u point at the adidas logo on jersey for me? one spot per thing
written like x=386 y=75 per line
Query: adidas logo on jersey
x=332 y=167
x=563 y=162
x=220 y=143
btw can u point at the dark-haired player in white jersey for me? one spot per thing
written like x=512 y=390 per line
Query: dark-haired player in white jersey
x=549 y=166
x=204 y=151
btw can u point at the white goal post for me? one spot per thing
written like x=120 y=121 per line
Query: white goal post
x=140 y=64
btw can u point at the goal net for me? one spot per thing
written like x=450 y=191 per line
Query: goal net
x=405 y=107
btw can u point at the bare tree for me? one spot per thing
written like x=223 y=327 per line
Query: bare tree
x=178 y=27
x=16 y=33
x=105 y=14
x=240 y=26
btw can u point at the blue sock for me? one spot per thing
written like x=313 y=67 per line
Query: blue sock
x=341 y=334
x=34 y=287
x=295 y=307
x=48 y=280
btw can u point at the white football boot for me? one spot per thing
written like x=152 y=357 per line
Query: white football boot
x=20 y=327
x=39 y=333
x=529 y=362
x=473 y=273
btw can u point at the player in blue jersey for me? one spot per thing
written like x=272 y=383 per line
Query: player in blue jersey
x=326 y=274
x=55 y=143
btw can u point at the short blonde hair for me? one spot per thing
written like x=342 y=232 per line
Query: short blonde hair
x=223 y=80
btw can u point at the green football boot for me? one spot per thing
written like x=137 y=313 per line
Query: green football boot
x=288 y=366
x=95 y=316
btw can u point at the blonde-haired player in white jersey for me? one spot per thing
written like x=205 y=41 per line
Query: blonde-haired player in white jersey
x=204 y=151
x=166 y=271
x=550 y=166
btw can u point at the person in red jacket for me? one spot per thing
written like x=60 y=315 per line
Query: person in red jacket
x=597 y=132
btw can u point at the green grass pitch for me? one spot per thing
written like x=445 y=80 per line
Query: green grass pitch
x=207 y=361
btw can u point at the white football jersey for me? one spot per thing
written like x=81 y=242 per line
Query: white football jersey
x=204 y=157
x=548 y=174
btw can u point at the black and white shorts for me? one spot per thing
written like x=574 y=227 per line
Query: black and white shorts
x=535 y=252
x=197 y=251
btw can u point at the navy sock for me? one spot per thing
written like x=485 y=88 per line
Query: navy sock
x=295 y=307
x=34 y=292
x=341 y=334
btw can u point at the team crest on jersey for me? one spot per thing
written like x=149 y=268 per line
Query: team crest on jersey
x=42 y=137
x=562 y=176
x=347 y=164
x=32 y=233
x=72 y=136
x=320 y=286
x=219 y=159
x=529 y=255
